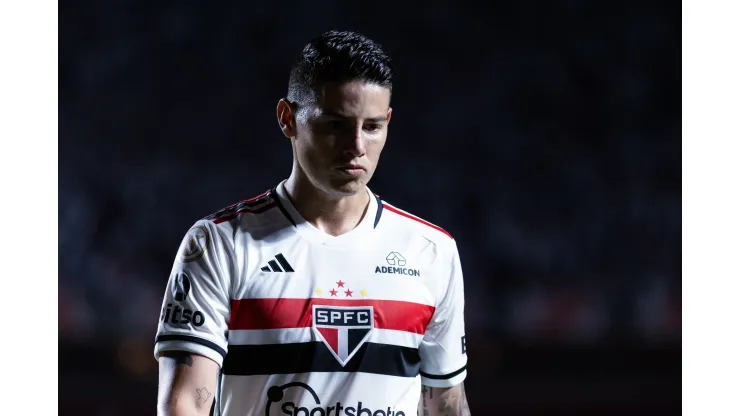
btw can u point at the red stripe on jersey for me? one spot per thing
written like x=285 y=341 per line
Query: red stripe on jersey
x=258 y=196
x=417 y=219
x=274 y=313
x=259 y=210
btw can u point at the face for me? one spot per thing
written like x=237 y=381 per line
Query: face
x=337 y=140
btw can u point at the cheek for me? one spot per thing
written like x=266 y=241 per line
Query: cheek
x=313 y=138
x=374 y=147
x=312 y=148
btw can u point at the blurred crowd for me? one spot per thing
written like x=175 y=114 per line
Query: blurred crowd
x=550 y=149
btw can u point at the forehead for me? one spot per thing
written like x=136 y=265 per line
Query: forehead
x=353 y=99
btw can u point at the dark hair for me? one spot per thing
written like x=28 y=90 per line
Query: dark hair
x=338 y=57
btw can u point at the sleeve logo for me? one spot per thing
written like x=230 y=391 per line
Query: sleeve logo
x=195 y=243
x=181 y=288
x=181 y=316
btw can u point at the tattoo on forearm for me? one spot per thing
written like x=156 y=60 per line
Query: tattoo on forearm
x=452 y=402
x=448 y=402
x=203 y=395
x=180 y=357
x=424 y=409
x=464 y=408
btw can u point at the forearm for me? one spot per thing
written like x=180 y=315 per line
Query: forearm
x=187 y=384
x=186 y=406
x=182 y=409
x=450 y=401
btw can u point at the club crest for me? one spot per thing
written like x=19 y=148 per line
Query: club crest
x=343 y=329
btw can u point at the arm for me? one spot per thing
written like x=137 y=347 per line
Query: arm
x=443 y=401
x=187 y=384
x=191 y=336
x=444 y=349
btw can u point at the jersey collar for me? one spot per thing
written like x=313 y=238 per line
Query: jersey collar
x=362 y=231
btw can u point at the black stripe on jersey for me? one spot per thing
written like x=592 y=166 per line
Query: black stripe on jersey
x=391 y=360
x=195 y=340
x=283 y=262
x=444 y=376
x=276 y=198
x=380 y=211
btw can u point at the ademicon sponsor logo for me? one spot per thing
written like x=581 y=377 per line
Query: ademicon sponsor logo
x=396 y=266
x=275 y=394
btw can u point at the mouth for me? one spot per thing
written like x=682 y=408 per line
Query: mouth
x=352 y=169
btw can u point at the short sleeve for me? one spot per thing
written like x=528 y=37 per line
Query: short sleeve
x=443 y=349
x=196 y=306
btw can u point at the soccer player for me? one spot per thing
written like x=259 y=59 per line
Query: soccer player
x=318 y=298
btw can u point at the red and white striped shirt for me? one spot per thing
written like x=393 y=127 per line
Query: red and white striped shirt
x=304 y=323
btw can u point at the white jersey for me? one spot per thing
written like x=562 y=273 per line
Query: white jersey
x=304 y=323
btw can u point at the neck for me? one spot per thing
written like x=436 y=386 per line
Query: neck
x=329 y=213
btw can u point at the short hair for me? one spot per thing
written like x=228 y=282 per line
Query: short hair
x=338 y=57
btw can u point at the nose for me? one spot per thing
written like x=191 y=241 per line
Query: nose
x=356 y=145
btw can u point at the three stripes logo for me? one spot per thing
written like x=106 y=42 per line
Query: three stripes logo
x=279 y=264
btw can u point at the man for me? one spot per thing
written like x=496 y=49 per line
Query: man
x=316 y=297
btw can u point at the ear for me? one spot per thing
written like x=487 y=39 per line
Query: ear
x=286 y=118
x=388 y=115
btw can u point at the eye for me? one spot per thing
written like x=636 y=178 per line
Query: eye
x=373 y=128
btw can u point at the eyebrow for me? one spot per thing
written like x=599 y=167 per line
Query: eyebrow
x=336 y=115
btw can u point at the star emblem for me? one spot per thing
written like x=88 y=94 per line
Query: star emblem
x=449 y=401
x=333 y=292
x=348 y=293
x=363 y=292
x=340 y=284
x=318 y=291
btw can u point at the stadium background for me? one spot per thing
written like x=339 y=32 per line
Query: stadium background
x=545 y=138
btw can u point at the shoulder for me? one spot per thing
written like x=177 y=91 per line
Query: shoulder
x=260 y=213
x=401 y=221
x=254 y=205
x=244 y=217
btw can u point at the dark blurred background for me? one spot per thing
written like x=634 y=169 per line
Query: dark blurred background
x=544 y=137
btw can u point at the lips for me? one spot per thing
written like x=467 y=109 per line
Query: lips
x=352 y=167
x=352 y=170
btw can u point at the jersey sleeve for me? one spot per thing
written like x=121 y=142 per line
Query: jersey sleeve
x=443 y=349
x=196 y=306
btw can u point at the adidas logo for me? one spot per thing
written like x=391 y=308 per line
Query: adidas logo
x=274 y=266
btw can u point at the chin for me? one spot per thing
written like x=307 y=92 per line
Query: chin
x=346 y=187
